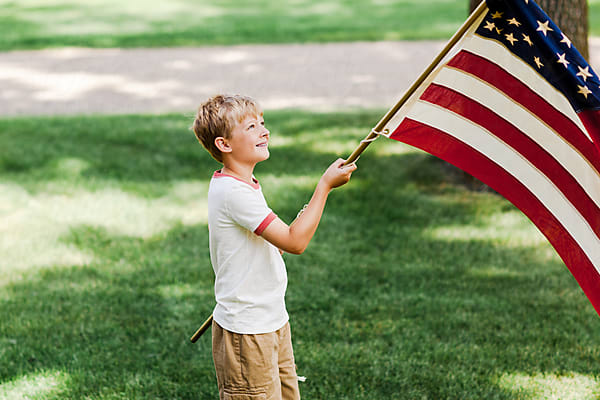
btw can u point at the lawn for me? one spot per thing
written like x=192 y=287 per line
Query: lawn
x=414 y=287
x=30 y=24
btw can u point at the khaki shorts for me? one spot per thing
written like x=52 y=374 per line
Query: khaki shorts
x=255 y=367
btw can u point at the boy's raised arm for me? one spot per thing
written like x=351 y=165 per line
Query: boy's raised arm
x=295 y=237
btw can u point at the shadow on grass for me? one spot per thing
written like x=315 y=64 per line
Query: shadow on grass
x=380 y=306
x=401 y=319
x=403 y=314
x=119 y=326
x=150 y=149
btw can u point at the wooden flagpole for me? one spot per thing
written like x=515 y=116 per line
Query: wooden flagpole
x=388 y=116
x=202 y=329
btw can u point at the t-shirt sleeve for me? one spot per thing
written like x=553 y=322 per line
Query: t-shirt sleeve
x=248 y=208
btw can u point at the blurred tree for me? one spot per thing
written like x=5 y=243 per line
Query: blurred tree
x=571 y=16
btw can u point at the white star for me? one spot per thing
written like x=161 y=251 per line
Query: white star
x=544 y=27
x=527 y=39
x=562 y=59
x=514 y=21
x=538 y=62
x=489 y=25
x=511 y=38
x=584 y=91
x=584 y=73
x=566 y=40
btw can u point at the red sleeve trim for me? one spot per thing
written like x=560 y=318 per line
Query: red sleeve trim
x=263 y=225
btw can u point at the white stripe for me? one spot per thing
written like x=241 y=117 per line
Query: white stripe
x=566 y=155
x=498 y=54
x=512 y=162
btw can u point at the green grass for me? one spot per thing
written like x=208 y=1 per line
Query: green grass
x=414 y=286
x=594 y=17
x=32 y=24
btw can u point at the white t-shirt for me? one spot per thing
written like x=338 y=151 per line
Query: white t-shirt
x=250 y=275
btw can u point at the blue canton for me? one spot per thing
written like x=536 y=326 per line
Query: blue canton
x=524 y=29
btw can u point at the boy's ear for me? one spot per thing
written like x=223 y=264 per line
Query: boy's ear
x=222 y=145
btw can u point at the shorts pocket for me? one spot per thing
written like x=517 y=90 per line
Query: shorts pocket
x=258 y=359
x=228 y=395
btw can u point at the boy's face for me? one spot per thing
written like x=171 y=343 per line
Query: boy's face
x=249 y=140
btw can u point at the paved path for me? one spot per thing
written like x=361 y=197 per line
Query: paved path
x=313 y=76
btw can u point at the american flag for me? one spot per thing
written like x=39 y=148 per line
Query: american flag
x=516 y=106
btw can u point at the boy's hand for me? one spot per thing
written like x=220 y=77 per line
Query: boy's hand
x=337 y=175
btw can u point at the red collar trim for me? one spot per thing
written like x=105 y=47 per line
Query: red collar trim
x=254 y=184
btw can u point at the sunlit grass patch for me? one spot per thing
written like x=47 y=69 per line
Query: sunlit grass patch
x=570 y=386
x=46 y=384
x=510 y=228
x=32 y=225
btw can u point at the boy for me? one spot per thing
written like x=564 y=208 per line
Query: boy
x=252 y=348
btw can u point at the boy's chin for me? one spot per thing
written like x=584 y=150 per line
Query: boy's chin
x=266 y=155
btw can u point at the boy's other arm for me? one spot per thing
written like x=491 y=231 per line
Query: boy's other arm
x=295 y=237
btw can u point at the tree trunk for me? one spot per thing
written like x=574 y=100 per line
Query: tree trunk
x=571 y=16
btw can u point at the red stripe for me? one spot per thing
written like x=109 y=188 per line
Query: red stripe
x=527 y=147
x=263 y=225
x=516 y=90
x=591 y=121
x=471 y=161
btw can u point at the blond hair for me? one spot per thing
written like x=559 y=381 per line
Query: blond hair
x=217 y=117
